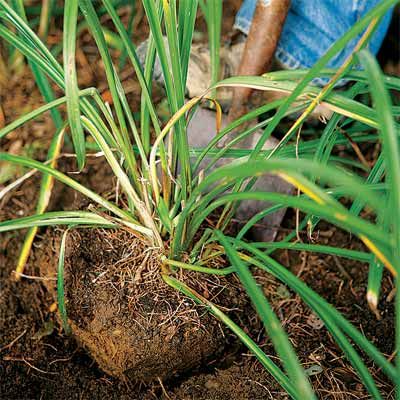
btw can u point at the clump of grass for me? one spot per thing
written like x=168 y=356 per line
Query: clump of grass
x=172 y=205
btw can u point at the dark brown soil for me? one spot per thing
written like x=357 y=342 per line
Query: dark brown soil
x=245 y=381
x=341 y=282
x=38 y=361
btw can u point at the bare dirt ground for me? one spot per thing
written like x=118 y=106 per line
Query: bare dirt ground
x=38 y=361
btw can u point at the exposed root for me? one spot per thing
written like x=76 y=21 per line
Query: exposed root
x=121 y=310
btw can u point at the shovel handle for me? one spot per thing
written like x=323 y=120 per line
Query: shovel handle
x=263 y=38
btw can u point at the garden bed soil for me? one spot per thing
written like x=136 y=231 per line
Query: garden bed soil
x=38 y=361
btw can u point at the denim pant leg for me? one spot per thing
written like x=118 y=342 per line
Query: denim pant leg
x=245 y=15
x=313 y=26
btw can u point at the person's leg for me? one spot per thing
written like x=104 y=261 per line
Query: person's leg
x=244 y=17
x=313 y=26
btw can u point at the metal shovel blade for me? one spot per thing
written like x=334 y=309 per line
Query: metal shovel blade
x=201 y=130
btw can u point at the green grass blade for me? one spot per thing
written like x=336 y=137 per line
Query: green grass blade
x=355 y=30
x=140 y=206
x=334 y=101
x=361 y=228
x=33 y=48
x=177 y=96
x=95 y=27
x=31 y=52
x=391 y=82
x=369 y=19
x=327 y=142
x=214 y=22
x=41 y=80
x=187 y=20
x=391 y=151
x=172 y=72
x=29 y=36
x=60 y=286
x=144 y=110
x=336 y=214
x=375 y=275
x=27 y=162
x=45 y=18
x=318 y=248
x=57 y=218
x=39 y=111
x=136 y=136
x=267 y=363
x=391 y=148
x=337 y=193
x=348 y=349
x=115 y=87
x=323 y=309
x=271 y=323
x=375 y=268
x=71 y=81
x=143 y=80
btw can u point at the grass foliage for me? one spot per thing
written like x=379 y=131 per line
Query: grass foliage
x=167 y=204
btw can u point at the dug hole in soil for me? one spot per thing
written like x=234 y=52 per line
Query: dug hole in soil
x=120 y=309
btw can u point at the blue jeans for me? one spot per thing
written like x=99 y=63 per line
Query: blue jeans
x=312 y=26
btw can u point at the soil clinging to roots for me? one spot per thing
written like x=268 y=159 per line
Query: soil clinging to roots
x=120 y=309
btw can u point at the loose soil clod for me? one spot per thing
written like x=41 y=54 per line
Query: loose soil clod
x=131 y=322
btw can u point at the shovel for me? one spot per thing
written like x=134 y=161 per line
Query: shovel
x=201 y=130
x=268 y=21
